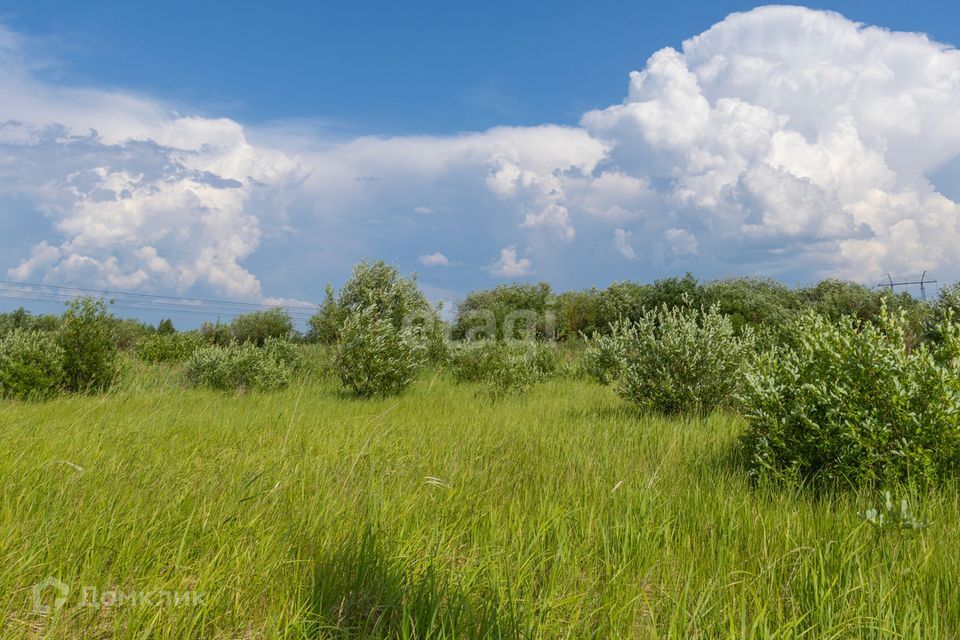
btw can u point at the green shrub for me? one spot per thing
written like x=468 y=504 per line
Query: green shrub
x=237 y=367
x=504 y=368
x=20 y=318
x=678 y=360
x=256 y=327
x=545 y=359
x=436 y=340
x=87 y=338
x=373 y=357
x=285 y=352
x=31 y=365
x=129 y=333
x=169 y=347
x=602 y=359
x=850 y=403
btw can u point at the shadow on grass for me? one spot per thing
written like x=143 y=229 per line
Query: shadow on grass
x=359 y=591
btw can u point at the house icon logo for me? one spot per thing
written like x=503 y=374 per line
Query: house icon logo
x=58 y=588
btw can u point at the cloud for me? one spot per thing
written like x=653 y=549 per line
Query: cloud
x=621 y=242
x=509 y=265
x=783 y=141
x=795 y=135
x=434 y=260
x=681 y=242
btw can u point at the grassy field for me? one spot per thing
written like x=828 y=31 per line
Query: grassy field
x=562 y=514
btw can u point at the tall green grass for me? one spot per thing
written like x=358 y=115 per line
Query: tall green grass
x=562 y=514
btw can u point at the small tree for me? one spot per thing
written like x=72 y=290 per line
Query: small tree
x=90 y=355
x=218 y=334
x=374 y=285
x=325 y=324
x=165 y=327
x=256 y=327
x=375 y=358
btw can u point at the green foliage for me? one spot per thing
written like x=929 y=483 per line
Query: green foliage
x=943 y=312
x=374 y=357
x=753 y=302
x=678 y=360
x=238 y=367
x=325 y=324
x=601 y=360
x=579 y=313
x=436 y=339
x=631 y=301
x=948 y=302
x=285 y=352
x=257 y=326
x=504 y=367
x=166 y=328
x=20 y=318
x=31 y=365
x=373 y=285
x=218 y=334
x=88 y=340
x=835 y=299
x=849 y=403
x=510 y=311
x=129 y=333
x=169 y=347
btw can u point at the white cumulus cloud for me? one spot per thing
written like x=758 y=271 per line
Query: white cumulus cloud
x=434 y=260
x=510 y=265
x=621 y=242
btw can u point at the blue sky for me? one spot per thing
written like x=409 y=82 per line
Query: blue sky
x=253 y=153
x=390 y=67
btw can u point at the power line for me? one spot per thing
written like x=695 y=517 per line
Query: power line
x=177 y=299
x=199 y=312
x=129 y=300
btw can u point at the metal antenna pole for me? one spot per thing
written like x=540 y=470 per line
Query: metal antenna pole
x=907 y=282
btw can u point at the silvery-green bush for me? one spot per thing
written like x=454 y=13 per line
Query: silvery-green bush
x=601 y=359
x=849 y=403
x=237 y=367
x=372 y=284
x=285 y=352
x=375 y=357
x=31 y=365
x=677 y=360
